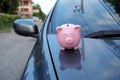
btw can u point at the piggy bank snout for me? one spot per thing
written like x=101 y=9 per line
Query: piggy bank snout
x=69 y=40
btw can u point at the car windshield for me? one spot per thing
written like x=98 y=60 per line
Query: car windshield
x=91 y=15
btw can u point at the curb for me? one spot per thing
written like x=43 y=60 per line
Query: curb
x=6 y=31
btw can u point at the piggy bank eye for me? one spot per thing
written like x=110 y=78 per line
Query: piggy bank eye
x=65 y=33
x=71 y=33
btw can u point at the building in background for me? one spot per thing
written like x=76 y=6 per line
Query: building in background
x=35 y=10
x=25 y=8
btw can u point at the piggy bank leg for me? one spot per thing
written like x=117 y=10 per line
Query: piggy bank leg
x=75 y=48
x=62 y=48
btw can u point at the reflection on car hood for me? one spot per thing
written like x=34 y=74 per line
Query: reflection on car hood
x=96 y=59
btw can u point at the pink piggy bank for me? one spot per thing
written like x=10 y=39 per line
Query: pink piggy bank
x=68 y=36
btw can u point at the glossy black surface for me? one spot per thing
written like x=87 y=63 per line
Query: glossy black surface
x=25 y=27
x=95 y=59
x=70 y=59
x=38 y=68
x=40 y=65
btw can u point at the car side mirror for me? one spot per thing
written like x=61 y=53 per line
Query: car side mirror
x=25 y=27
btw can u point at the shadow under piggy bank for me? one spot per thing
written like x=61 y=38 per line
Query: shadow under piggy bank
x=70 y=59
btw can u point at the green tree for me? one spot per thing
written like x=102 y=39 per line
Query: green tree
x=9 y=6
x=41 y=14
x=115 y=4
x=36 y=6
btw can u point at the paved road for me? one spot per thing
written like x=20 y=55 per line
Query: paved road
x=14 y=53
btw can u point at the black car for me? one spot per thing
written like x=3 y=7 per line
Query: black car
x=98 y=53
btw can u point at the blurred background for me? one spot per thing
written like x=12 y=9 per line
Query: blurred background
x=23 y=9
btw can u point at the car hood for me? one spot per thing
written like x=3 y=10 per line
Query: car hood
x=96 y=59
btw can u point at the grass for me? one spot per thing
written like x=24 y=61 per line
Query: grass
x=6 y=21
x=2 y=28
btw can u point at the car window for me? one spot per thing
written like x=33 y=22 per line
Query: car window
x=91 y=15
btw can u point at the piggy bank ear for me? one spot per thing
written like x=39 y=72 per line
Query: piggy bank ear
x=77 y=27
x=58 y=29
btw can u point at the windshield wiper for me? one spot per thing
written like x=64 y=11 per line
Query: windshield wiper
x=104 y=34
